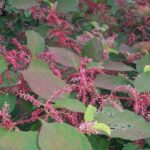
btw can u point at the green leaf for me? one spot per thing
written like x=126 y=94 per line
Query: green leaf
x=142 y=82
x=112 y=51
x=61 y=136
x=65 y=6
x=89 y=113
x=9 y=99
x=104 y=27
x=125 y=125
x=64 y=57
x=3 y=132
x=41 y=79
x=130 y=146
x=147 y=68
x=27 y=14
x=35 y=42
x=48 y=2
x=145 y=60
x=18 y=140
x=95 y=25
x=71 y=104
x=22 y=4
x=102 y=127
x=93 y=49
x=3 y=64
x=109 y=82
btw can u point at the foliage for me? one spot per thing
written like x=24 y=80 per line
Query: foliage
x=74 y=74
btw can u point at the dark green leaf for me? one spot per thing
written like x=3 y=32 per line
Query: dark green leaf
x=148 y=141
x=43 y=30
x=93 y=49
x=130 y=146
x=99 y=142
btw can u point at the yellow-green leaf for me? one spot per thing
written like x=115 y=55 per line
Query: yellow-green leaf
x=102 y=127
x=147 y=68
x=89 y=113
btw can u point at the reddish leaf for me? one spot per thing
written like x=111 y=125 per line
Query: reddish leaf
x=111 y=65
x=143 y=46
x=64 y=57
x=41 y=80
x=110 y=82
x=143 y=10
x=61 y=136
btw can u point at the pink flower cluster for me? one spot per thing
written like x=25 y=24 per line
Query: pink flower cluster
x=61 y=28
x=19 y=57
x=5 y=118
x=140 y=101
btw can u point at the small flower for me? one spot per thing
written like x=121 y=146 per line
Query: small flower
x=87 y=127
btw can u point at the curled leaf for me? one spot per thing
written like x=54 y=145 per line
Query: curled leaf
x=102 y=127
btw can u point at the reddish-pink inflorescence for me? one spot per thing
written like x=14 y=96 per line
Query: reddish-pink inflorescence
x=29 y=98
x=53 y=113
x=81 y=82
x=34 y=116
x=19 y=57
x=62 y=29
x=139 y=101
x=5 y=117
